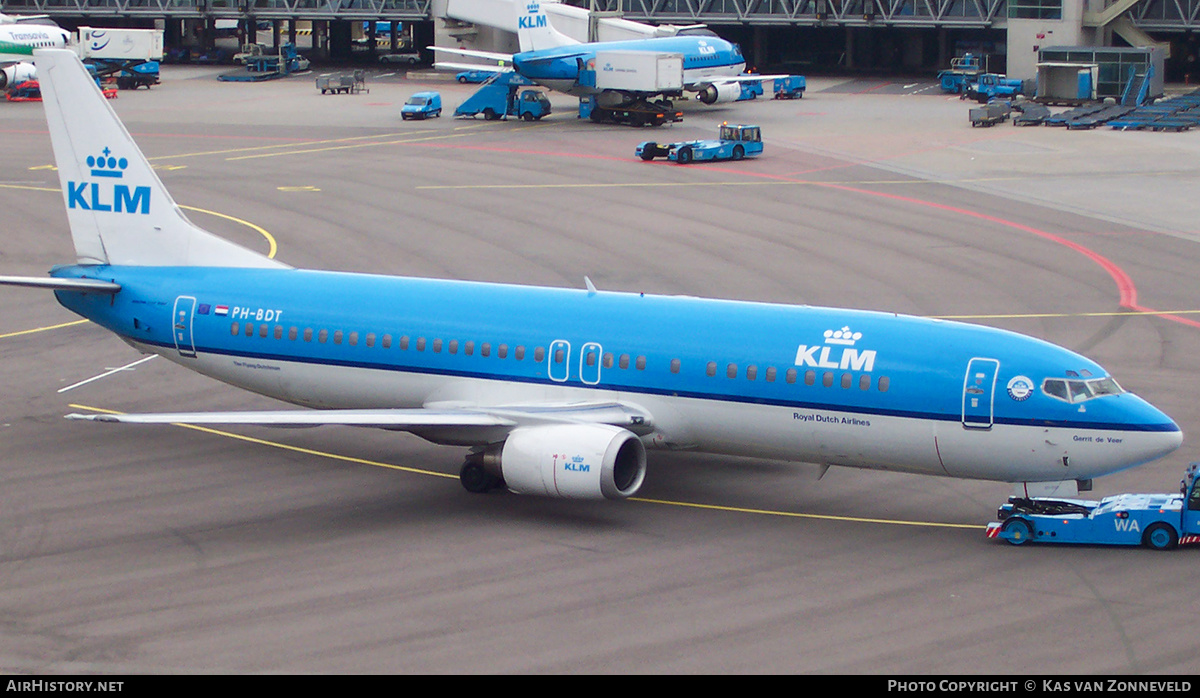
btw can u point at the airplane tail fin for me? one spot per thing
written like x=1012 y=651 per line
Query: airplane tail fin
x=534 y=31
x=119 y=211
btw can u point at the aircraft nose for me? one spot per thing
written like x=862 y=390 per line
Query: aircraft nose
x=1163 y=435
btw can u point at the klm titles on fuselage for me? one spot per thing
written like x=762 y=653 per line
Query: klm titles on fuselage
x=535 y=19
x=100 y=196
x=822 y=356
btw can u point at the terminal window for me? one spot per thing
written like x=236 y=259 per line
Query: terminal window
x=1035 y=9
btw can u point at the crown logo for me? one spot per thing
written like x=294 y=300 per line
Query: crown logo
x=843 y=336
x=533 y=8
x=105 y=165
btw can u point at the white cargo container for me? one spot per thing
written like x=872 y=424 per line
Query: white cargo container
x=639 y=71
x=121 y=44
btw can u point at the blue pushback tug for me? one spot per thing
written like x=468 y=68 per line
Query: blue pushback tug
x=1159 y=521
x=736 y=141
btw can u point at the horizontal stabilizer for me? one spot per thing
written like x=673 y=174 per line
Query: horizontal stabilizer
x=472 y=66
x=93 y=285
x=486 y=55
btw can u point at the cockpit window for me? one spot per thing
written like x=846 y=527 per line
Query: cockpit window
x=1072 y=390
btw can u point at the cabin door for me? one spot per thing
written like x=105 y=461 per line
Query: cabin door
x=559 y=360
x=181 y=320
x=979 y=391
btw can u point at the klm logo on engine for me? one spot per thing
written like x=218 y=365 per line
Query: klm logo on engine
x=838 y=352
x=536 y=21
x=577 y=465
x=103 y=195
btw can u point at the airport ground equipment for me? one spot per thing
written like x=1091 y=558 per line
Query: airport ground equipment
x=269 y=66
x=1179 y=113
x=790 y=87
x=502 y=97
x=343 y=84
x=130 y=56
x=636 y=88
x=751 y=89
x=422 y=105
x=1159 y=521
x=990 y=114
x=963 y=71
x=249 y=51
x=636 y=112
x=1030 y=113
x=734 y=142
x=988 y=86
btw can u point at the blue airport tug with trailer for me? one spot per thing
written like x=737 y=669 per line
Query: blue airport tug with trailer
x=1158 y=521
x=736 y=141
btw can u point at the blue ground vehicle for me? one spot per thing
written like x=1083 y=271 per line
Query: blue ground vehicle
x=1159 y=521
x=422 y=105
x=986 y=86
x=475 y=76
x=736 y=141
x=503 y=97
x=790 y=87
x=961 y=74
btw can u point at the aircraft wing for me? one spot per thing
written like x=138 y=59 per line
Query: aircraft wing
x=457 y=424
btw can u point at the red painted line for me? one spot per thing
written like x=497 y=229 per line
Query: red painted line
x=872 y=89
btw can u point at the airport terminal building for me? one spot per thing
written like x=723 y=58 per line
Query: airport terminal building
x=877 y=36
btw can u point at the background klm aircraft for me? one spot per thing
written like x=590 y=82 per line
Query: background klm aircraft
x=558 y=392
x=712 y=66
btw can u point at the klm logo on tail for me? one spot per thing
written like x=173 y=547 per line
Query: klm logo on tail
x=534 y=20
x=103 y=196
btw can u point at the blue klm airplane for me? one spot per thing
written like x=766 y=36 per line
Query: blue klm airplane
x=559 y=392
x=712 y=66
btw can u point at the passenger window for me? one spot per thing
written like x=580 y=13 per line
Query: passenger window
x=624 y=361
x=770 y=374
x=847 y=380
x=279 y=332
x=370 y=339
x=468 y=348
x=751 y=372
x=864 y=382
x=559 y=356
x=539 y=354
x=308 y=334
x=731 y=371
x=827 y=379
x=608 y=360
x=235 y=329
x=711 y=368
x=884 y=383
x=791 y=375
x=485 y=349
x=674 y=365
x=453 y=348
x=502 y=351
x=641 y=363
x=519 y=354
x=293 y=332
x=437 y=346
x=323 y=336
x=249 y=329
x=352 y=340
x=337 y=336
x=810 y=377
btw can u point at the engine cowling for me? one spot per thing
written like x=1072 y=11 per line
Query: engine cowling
x=720 y=93
x=16 y=74
x=572 y=461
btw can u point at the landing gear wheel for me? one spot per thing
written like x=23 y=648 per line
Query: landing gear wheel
x=1020 y=531
x=476 y=480
x=738 y=152
x=1160 y=536
x=684 y=156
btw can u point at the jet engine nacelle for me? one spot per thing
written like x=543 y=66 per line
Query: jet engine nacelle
x=720 y=93
x=17 y=73
x=573 y=461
